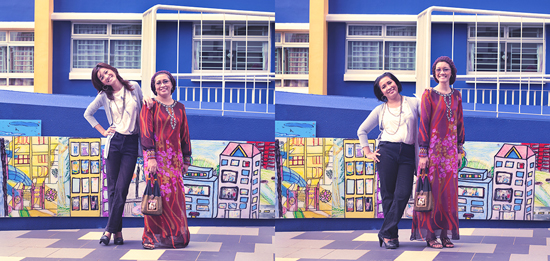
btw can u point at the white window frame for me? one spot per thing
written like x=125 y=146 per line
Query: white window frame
x=370 y=75
x=281 y=77
x=84 y=73
x=504 y=40
x=230 y=38
x=9 y=75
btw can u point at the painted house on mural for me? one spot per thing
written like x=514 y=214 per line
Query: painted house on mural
x=475 y=194
x=201 y=188
x=239 y=181
x=514 y=183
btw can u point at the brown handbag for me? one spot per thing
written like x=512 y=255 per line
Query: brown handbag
x=423 y=197
x=151 y=203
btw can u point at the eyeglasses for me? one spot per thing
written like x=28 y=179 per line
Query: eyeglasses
x=444 y=69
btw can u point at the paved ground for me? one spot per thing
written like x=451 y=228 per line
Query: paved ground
x=263 y=243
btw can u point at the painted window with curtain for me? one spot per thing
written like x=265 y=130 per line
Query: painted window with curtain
x=17 y=60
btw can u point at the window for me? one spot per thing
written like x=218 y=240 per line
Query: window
x=511 y=48
x=116 y=44
x=16 y=58
x=381 y=47
x=291 y=59
x=241 y=47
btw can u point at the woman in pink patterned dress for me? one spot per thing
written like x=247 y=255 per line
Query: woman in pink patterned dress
x=165 y=139
x=440 y=138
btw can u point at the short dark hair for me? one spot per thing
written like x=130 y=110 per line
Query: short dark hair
x=172 y=80
x=98 y=85
x=450 y=63
x=378 y=92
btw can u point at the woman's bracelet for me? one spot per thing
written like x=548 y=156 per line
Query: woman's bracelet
x=151 y=154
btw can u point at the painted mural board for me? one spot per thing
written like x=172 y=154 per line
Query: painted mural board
x=20 y=127
x=295 y=129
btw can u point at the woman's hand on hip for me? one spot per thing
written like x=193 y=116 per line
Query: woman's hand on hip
x=152 y=165
x=185 y=168
x=373 y=155
x=423 y=162
x=109 y=131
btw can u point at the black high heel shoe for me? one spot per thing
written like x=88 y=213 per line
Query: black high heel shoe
x=118 y=241
x=388 y=245
x=104 y=239
x=395 y=241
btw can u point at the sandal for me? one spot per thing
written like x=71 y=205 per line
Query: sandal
x=446 y=242
x=434 y=244
x=148 y=246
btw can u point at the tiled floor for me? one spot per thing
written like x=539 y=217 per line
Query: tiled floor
x=263 y=243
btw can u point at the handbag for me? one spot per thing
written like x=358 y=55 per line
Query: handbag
x=423 y=198
x=151 y=202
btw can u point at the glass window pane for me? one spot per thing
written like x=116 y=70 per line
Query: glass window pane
x=21 y=82
x=296 y=60
x=296 y=37
x=400 y=55
x=401 y=31
x=211 y=29
x=528 y=32
x=3 y=59
x=90 y=29
x=210 y=56
x=364 y=55
x=251 y=56
x=486 y=31
x=127 y=29
x=22 y=59
x=253 y=30
x=277 y=83
x=485 y=57
x=87 y=53
x=278 y=61
x=21 y=36
x=295 y=83
x=277 y=37
x=3 y=82
x=126 y=54
x=524 y=57
x=365 y=30
x=2 y=36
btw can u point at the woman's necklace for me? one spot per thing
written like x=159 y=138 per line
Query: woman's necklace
x=170 y=111
x=400 y=112
x=447 y=98
x=123 y=107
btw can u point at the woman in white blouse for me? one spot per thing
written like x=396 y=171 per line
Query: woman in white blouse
x=122 y=101
x=396 y=158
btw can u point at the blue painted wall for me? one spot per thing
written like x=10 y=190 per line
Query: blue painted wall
x=17 y=11
x=292 y=11
x=135 y=6
x=415 y=7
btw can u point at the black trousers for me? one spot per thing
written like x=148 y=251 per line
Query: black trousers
x=120 y=165
x=396 y=171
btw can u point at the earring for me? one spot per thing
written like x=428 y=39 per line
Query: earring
x=105 y=87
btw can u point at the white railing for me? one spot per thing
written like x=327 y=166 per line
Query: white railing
x=252 y=82
x=484 y=92
x=252 y=93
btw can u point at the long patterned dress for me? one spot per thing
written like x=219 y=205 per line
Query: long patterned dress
x=441 y=136
x=164 y=130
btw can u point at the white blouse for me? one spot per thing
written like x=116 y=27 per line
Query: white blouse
x=123 y=100
x=395 y=128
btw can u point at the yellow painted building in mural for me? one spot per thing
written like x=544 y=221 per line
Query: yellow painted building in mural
x=360 y=181
x=33 y=158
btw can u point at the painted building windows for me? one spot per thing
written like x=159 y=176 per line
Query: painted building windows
x=116 y=44
x=381 y=47
x=291 y=59
x=510 y=48
x=242 y=47
x=16 y=58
